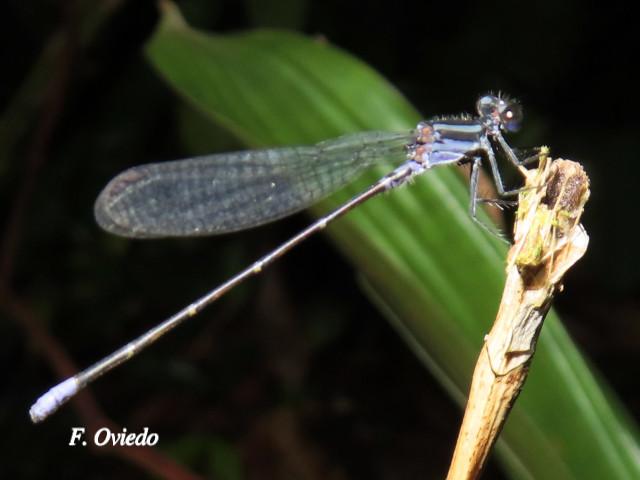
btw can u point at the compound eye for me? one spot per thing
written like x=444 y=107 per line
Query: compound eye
x=511 y=116
x=487 y=105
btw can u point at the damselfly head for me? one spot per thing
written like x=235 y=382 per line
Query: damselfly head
x=500 y=112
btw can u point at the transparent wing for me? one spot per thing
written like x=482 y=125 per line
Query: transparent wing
x=233 y=191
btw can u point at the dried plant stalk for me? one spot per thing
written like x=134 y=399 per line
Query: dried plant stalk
x=549 y=239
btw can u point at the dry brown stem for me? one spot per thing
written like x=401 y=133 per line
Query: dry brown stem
x=548 y=241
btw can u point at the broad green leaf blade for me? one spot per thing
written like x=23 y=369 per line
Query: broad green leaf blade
x=435 y=274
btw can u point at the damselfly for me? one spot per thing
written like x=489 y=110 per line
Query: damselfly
x=234 y=191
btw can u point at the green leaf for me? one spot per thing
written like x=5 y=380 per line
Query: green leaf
x=436 y=275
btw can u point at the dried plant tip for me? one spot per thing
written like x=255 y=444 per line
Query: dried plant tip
x=548 y=217
x=548 y=241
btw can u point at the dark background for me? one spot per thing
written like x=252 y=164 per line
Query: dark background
x=294 y=375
